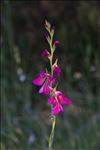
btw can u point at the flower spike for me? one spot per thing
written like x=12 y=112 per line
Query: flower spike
x=46 y=80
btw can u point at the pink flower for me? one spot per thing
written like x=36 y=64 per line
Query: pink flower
x=57 y=70
x=45 y=80
x=45 y=53
x=57 y=101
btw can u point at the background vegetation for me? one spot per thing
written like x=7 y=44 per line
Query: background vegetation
x=25 y=115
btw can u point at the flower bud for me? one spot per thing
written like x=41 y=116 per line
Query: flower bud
x=57 y=70
x=52 y=30
x=45 y=53
x=47 y=37
x=47 y=25
x=56 y=43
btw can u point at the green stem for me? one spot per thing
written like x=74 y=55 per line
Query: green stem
x=51 y=138
x=52 y=134
x=51 y=57
x=51 y=65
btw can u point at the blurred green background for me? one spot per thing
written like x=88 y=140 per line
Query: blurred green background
x=25 y=114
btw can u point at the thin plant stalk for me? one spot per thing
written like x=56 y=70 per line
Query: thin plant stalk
x=51 y=138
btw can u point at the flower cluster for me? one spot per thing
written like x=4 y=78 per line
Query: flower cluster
x=56 y=98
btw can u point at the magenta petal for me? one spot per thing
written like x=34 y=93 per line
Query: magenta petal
x=42 y=74
x=57 y=108
x=67 y=101
x=50 y=88
x=38 y=81
x=52 y=80
x=51 y=100
x=64 y=100
x=45 y=89
x=41 y=90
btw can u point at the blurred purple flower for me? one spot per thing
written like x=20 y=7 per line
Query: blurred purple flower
x=22 y=77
